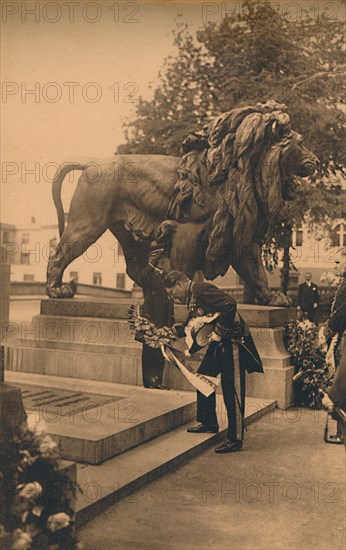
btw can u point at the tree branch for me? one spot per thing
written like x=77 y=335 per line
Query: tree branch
x=317 y=75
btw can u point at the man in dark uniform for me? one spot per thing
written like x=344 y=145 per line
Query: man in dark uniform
x=159 y=308
x=221 y=355
x=308 y=298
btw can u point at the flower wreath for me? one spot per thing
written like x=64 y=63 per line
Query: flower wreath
x=147 y=332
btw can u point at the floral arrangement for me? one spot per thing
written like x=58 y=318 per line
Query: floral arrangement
x=35 y=510
x=147 y=332
x=313 y=373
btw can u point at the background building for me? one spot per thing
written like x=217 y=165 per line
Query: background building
x=28 y=247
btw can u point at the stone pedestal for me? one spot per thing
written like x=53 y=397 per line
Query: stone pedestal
x=91 y=340
x=267 y=328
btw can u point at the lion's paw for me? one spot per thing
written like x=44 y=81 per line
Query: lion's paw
x=279 y=299
x=66 y=290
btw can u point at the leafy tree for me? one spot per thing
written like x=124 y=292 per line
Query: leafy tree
x=317 y=205
x=253 y=56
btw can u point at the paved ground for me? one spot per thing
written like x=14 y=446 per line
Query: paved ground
x=284 y=491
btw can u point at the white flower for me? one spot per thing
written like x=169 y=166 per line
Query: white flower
x=58 y=521
x=305 y=325
x=47 y=445
x=21 y=540
x=30 y=490
x=38 y=428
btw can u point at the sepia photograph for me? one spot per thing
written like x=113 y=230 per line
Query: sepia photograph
x=173 y=275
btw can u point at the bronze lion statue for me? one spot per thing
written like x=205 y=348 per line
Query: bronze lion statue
x=233 y=177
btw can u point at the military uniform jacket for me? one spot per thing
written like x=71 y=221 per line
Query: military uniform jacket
x=308 y=295
x=206 y=298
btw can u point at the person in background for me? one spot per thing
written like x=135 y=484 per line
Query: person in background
x=206 y=299
x=158 y=307
x=308 y=299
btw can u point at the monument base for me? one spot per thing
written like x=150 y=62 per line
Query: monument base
x=149 y=448
x=90 y=339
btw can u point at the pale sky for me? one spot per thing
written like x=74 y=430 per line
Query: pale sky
x=109 y=50
x=124 y=49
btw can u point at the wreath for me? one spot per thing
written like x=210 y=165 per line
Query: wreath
x=147 y=332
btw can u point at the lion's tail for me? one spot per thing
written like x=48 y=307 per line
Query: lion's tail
x=62 y=171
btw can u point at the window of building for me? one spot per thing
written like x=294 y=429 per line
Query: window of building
x=28 y=277
x=293 y=279
x=74 y=276
x=25 y=258
x=297 y=236
x=97 y=279
x=120 y=280
x=340 y=234
x=6 y=237
x=25 y=238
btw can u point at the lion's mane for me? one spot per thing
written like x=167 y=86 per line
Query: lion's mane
x=252 y=190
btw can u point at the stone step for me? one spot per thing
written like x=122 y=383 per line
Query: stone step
x=260 y=316
x=121 y=365
x=103 y=426
x=61 y=331
x=85 y=330
x=103 y=485
x=133 y=349
x=118 y=363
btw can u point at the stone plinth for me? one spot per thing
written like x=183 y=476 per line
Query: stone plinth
x=267 y=328
x=103 y=485
x=90 y=339
x=92 y=432
x=258 y=316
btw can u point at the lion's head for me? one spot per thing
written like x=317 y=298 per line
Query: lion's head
x=296 y=160
x=280 y=163
x=266 y=155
